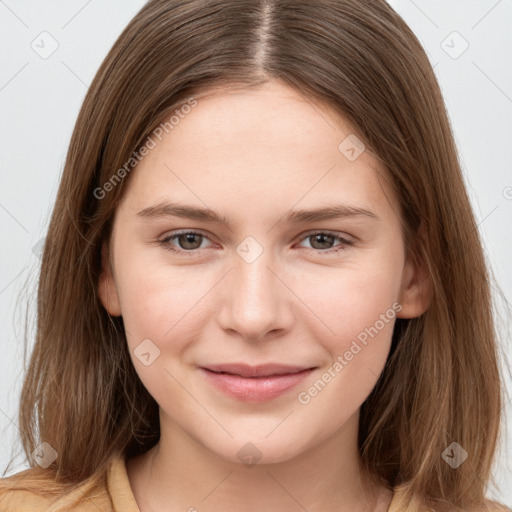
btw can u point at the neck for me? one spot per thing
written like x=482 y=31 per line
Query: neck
x=181 y=474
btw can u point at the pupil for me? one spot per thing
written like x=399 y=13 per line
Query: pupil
x=189 y=239
x=322 y=238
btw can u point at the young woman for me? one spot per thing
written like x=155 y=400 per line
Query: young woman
x=263 y=286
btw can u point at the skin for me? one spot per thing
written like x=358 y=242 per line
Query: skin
x=253 y=155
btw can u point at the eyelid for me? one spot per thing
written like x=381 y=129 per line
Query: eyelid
x=173 y=234
x=340 y=234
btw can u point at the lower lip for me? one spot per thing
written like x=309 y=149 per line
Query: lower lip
x=255 y=389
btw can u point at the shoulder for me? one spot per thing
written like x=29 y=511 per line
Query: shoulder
x=17 y=492
x=35 y=490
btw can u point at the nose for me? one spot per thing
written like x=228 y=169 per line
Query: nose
x=256 y=303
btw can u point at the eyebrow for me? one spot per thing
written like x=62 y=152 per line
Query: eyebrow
x=166 y=209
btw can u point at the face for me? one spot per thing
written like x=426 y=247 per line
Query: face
x=260 y=283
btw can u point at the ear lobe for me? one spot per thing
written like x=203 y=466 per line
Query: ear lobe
x=107 y=291
x=416 y=288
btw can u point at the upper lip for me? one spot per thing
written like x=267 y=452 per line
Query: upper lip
x=245 y=370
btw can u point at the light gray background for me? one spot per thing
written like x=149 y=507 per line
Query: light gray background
x=40 y=99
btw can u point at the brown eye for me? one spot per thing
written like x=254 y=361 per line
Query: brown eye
x=322 y=240
x=186 y=240
x=186 y=243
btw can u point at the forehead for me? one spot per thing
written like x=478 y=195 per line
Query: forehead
x=257 y=148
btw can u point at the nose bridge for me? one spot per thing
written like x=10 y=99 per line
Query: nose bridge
x=254 y=282
x=254 y=300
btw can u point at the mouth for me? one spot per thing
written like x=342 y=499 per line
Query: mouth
x=255 y=384
x=264 y=370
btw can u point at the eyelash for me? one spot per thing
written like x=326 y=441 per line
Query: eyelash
x=165 y=243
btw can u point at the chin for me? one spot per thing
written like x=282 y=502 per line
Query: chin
x=250 y=451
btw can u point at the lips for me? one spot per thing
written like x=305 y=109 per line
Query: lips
x=265 y=370
x=255 y=383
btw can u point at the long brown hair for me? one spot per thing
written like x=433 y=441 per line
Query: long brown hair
x=441 y=383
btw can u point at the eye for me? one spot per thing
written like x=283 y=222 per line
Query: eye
x=322 y=238
x=190 y=242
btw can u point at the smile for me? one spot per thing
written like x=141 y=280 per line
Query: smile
x=255 y=388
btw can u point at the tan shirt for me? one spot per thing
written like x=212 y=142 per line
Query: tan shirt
x=114 y=495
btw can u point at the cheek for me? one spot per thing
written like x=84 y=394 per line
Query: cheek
x=351 y=299
x=359 y=314
x=162 y=303
x=163 y=314
x=357 y=307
